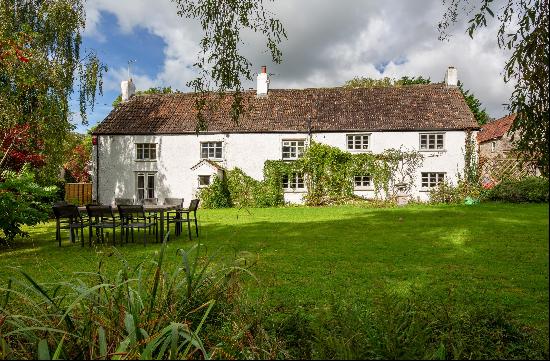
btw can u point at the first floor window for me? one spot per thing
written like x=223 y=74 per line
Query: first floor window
x=293 y=181
x=211 y=150
x=293 y=149
x=358 y=141
x=431 y=141
x=432 y=179
x=204 y=181
x=146 y=151
x=362 y=181
x=145 y=186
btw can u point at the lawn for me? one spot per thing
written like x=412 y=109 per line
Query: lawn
x=308 y=258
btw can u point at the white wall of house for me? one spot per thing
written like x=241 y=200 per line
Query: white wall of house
x=177 y=154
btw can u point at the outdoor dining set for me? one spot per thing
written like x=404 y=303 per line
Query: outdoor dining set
x=147 y=217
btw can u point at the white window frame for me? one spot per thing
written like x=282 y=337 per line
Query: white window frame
x=293 y=143
x=211 y=146
x=430 y=180
x=364 y=180
x=294 y=182
x=436 y=136
x=143 y=148
x=493 y=146
x=147 y=190
x=199 y=180
x=358 y=142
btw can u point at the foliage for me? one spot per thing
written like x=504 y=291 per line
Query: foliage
x=523 y=30
x=147 y=312
x=217 y=195
x=19 y=146
x=474 y=104
x=471 y=169
x=41 y=62
x=78 y=157
x=21 y=203
x=328 y=172
x=221 y=63
x=528 y=189
x=449 y=194
x=363 y=82
x=153 y=90
x=417 y=329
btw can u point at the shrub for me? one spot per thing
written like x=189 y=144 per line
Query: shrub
x=152 y=311
x=529 y=189
x=22 y=202
x=449 y=194
x=216 y=195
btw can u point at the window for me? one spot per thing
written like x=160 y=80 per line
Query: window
x=493 y=146
x=145 y=185
x=431 y=141
x=294 y=181
x=146 y=151
x=362 y=181
x=358 y=141
x=211 y=150
x=204 y=181
x=293 y=149
x=432 y=179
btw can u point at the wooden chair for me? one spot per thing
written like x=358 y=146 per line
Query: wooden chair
x=101 y=217
x=68 y=217
x=174 y=202
x=177 y=217
x=133 y=216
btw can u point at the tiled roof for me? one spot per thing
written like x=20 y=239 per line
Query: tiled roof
x=415 y=107
x=212 y=164
x=495 y=129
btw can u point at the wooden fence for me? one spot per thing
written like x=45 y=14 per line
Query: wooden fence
x=78 y=193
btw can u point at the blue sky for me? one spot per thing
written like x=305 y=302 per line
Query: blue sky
x=329 y=42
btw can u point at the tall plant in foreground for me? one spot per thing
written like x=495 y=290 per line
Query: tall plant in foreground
x=151 y=311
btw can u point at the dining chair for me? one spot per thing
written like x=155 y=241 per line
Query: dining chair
x=101 y=217
x=133 y=216
x=68 y=217
x=177 y=217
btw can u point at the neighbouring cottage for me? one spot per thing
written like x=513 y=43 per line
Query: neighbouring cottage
x=147 y=147
x=494 y=139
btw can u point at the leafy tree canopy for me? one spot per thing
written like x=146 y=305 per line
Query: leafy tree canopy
x=523 y=30
x=41 y=62
x=154 y=90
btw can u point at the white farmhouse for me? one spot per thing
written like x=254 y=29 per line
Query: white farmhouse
x=147 y=147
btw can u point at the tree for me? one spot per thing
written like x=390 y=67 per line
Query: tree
x=523 y=30
x=154 y=90
x=473 y=103
x=40 y=63
x=220 y=63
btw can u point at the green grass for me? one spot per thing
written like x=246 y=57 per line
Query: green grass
x=308 y=258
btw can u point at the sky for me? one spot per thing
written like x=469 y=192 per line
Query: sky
x=329 y=42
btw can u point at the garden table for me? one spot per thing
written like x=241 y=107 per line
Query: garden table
x=155 y=208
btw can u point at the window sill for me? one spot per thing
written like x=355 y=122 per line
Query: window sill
x=145 y=160
x=363 y=189
x=359 y=150
x=214 y=159
x=433 y=150
x=290 y=190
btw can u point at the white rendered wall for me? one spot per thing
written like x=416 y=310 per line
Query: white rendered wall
x=176 y=154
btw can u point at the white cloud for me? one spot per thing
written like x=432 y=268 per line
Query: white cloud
x=328 y=43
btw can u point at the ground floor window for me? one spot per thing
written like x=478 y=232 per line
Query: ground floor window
x=432 y=179
x=145 y=185
x=362 y=181
x=293 y=181
x=204 y=181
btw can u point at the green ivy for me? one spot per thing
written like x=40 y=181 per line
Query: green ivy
x=329 y=173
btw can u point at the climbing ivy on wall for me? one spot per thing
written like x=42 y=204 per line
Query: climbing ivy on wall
x=328 y=174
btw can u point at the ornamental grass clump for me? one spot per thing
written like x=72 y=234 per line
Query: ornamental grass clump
x=143 y=312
